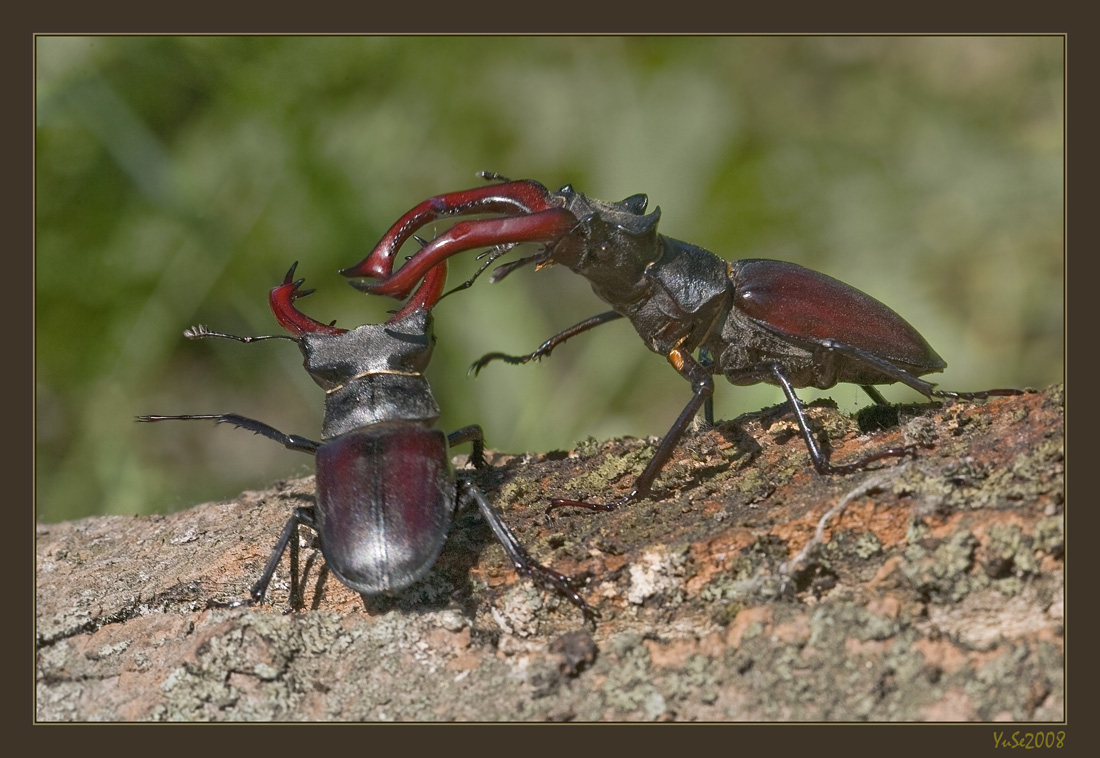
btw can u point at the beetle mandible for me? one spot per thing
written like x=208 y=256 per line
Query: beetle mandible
x=756 y=320
x=386 y=491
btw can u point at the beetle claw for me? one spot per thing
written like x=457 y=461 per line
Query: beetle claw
x=562 y=585
x=290 y=274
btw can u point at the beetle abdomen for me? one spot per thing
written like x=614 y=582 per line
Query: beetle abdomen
x=810 y=307
x=385 y=499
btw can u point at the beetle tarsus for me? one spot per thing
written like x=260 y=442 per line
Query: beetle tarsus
x=521 y=559
x=558 y=502
x=982 y=395
x=546 y=347
x=474 y=435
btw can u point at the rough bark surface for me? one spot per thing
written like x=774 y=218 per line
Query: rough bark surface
x=748 y=588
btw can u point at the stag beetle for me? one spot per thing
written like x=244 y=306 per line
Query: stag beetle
x=386 y=492
x=750 y=320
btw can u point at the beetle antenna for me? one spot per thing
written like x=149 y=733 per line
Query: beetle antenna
x=504 y=269
x=490 y=256
x=199 y=332
x=492 y=176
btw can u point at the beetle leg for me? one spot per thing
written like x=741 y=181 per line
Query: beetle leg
x=874 y=394
x=547 y=347
x=289 y=441
x=820 y=462
x=703 y=386
x=879 y=364
x=288 y=538
x=906 y=378
x=706 y=360
x=475 y=435
x=521 y=559
x=982 y=395
x=520 y=197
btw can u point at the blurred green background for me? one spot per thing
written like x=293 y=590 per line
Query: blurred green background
x=178 y=178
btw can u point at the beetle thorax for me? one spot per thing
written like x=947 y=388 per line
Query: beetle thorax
x=373 y=373
x=611 y=247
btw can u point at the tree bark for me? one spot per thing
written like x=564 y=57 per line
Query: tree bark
x=747 y=588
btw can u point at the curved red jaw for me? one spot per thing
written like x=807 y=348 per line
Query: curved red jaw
x=294 y=321
x=290 y=318
x=533 y=215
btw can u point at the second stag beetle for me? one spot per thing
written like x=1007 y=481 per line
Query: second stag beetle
x=386 y=491
x=754 y=320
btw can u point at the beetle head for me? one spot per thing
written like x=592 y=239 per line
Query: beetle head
x=373 y=373
x=395 y=346
x=612 y=243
